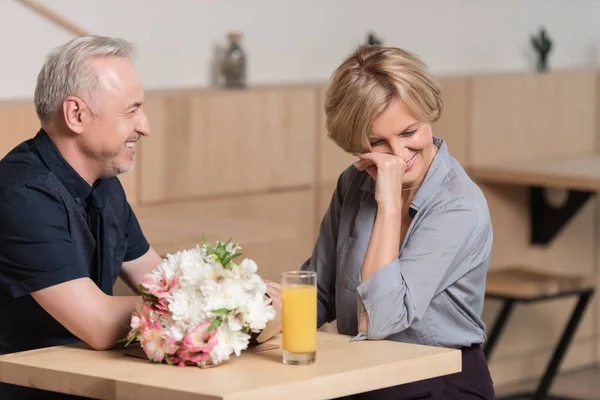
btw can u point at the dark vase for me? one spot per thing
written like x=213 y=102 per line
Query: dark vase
x=234 y=63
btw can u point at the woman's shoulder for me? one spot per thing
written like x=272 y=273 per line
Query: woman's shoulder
x=449 y=183
x=458 y=194
x=351 y=180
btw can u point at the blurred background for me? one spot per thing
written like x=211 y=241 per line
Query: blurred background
x=242 y=152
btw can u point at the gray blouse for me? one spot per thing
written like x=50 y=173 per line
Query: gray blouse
x=433 y=293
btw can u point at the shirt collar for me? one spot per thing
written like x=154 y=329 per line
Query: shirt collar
x=439 y=168
x=54 y=161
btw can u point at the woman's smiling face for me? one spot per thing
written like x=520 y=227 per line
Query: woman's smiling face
x=396 y=131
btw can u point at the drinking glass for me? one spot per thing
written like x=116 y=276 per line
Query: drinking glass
x=299 y=317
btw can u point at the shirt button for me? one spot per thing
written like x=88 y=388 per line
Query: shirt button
x=78 y=200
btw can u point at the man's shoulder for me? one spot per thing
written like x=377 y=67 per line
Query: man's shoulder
x=20 y=167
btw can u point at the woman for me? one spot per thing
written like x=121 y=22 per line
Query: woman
x=404 y=247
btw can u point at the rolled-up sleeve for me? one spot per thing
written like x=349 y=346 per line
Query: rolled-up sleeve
x=439 y=253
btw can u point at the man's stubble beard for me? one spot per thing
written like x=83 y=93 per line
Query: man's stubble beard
x=111 y=165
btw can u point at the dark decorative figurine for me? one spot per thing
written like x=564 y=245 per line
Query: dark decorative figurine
x=233 y=65
x=543 y=45
x=374 y=40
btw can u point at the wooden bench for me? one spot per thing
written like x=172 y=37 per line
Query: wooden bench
x=527 y=285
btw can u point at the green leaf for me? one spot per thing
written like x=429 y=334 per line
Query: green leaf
x=143 y=290
x=214 y=324
x=225 y=261
x=230 y=258
x=131 y=340
x=128 y=342
x=223 y=311
x=146 y=294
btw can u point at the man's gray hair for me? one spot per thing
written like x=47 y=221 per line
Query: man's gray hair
x=67 y=72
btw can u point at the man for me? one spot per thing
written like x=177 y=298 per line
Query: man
x=66 y=228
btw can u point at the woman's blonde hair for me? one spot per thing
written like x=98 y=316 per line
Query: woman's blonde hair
x=365 y=84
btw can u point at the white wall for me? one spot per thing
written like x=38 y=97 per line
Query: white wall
x=303 y=40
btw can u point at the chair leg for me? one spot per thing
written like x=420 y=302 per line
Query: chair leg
x=498 y=327
x=565 y=340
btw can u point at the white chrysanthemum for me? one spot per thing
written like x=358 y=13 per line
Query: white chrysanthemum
x=213 y=296
x=235 y=293
x=258 y=312
x=187 y=306
x=234 y=272
x=229 y=294
x=249 y=268
x=175 y=329
x=255 y=285
x=169 y=264
x=192 y=266
x=236 y=320
x=244 y=271
x=229 y=341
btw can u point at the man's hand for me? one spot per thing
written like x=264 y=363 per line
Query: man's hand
x=132 y=272
x=274 y=292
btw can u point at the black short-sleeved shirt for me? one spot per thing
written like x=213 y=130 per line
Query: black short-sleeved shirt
x=45 y=238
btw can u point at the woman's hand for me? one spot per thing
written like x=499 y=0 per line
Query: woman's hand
x=274 y=292
x=388 y=172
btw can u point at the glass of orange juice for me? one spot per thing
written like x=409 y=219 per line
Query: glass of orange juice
x=299 y=317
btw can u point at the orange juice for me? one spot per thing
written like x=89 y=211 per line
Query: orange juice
x=299 y=318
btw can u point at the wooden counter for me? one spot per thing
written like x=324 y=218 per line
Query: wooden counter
x=342 y=368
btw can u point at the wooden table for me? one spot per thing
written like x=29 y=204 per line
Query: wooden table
x=576 y=173
x=342 y=368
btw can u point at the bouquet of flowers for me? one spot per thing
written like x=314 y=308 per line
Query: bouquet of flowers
x=200 y=306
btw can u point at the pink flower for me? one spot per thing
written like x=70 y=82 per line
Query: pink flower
x=147 y=312
x=155 y=343
x=184 y=358
x=197 y=345
x=141 y=318
x=161 y=307
x=199 y=339
x=162 y=286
